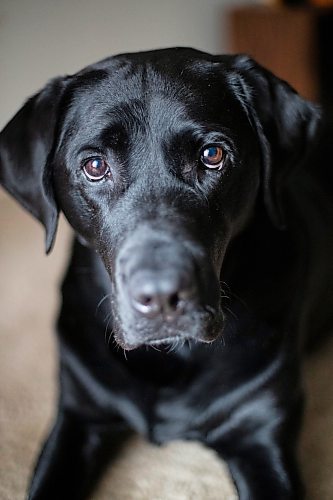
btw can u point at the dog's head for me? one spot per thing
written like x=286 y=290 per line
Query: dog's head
x=157 y=160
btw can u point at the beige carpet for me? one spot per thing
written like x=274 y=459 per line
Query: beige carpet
x=179 y=471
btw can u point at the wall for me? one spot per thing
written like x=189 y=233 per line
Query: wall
x=40 y=39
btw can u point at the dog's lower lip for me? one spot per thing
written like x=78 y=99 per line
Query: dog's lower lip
x=167 y=340
x=164 y=341
x=178 y=338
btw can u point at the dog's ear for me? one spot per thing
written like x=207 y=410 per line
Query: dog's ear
x=287 y=126
x=25 y=144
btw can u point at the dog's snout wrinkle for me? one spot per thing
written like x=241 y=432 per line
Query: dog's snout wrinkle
x=154 y=293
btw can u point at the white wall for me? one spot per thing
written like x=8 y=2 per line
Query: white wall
x=40 y=39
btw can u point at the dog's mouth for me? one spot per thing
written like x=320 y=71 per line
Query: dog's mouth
x=178 y=341
x=198 y=327
x=173 y=342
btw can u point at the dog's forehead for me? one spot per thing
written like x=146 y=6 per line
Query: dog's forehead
x=169 y=84
x=168 y=70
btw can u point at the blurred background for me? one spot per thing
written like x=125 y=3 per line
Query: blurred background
x=40 y=39
x=44 y=38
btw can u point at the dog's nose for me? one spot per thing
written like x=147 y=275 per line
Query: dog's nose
x=156 y=294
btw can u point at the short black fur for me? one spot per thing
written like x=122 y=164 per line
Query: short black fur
x=213 y=281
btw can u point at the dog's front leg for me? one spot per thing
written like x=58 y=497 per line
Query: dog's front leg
x=261 y=471
x=73 y=458
x=259 y=437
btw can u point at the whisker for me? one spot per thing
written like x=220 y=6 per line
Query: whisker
x=107 y=296
x=109 y=339
x=178 y=343
x=231 y=312
x=108 y=319
x=154 y=347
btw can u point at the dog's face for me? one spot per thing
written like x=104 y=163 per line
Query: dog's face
x=157 y=160
x=152 y=161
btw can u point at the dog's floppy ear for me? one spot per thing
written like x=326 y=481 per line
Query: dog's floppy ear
x=25 y=144
x=286 y=124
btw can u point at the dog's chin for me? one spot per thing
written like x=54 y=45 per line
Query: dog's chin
x=204 y=332
x=173 y=342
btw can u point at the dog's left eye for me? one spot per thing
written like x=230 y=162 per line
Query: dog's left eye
x=96 y=169
x=212 y=157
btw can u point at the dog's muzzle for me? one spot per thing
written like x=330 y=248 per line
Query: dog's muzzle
x=161 y=294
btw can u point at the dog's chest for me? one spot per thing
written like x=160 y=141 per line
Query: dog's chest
x=181 y=391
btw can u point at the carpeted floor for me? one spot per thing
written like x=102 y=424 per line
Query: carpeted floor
x=179 y=471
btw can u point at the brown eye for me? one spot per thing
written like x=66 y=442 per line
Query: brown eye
x=212 y=157
x=96 y=169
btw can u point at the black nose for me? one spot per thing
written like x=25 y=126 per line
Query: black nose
x=161 y=294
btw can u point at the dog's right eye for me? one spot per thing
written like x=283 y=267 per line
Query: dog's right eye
x=96 y=169
x=212 y=157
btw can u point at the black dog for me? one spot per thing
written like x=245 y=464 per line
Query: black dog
x=203 y=248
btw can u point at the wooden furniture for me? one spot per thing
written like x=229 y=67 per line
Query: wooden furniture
x=295 y=43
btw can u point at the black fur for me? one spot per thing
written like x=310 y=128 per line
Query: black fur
x=212 y=280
